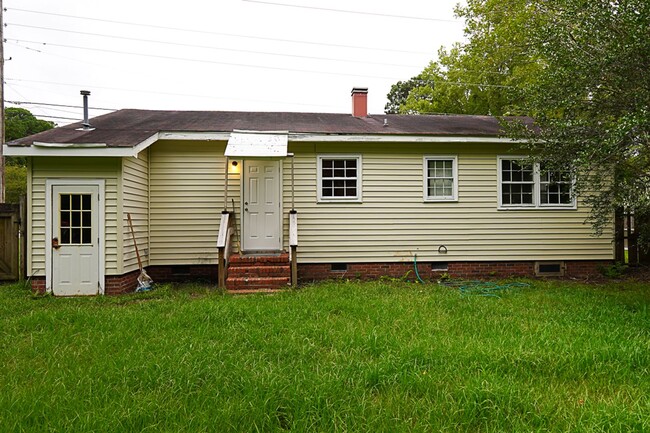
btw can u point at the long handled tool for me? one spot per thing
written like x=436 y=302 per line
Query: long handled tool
x=144 y=280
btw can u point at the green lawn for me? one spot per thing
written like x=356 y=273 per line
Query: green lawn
x=375 y=357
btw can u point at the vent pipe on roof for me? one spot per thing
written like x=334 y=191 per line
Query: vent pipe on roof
x=85 y=94
x=360 y=102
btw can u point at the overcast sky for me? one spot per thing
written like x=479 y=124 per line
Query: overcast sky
x=242 y=55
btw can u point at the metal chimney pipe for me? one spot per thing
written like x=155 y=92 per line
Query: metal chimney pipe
x=85 y=94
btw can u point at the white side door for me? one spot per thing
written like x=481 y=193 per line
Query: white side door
x=75 y=240
x=261 y=206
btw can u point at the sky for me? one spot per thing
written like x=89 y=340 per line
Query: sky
x=231 y=55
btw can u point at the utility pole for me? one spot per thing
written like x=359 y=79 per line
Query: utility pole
x=2 y=104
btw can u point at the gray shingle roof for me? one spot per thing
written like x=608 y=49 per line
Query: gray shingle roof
x=127 y=128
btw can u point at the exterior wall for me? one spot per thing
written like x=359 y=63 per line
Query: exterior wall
x=135 y=200
x=71 y=168
x=186 y=200
x=393 y=222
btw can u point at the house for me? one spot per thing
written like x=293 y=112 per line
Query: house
x=338 y=195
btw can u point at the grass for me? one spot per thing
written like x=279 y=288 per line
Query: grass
x=375 y=357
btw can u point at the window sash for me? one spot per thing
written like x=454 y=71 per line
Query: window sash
x=440 y=178
x=339 y=178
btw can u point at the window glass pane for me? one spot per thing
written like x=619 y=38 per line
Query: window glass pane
x=85 y=236
x=65 y=236
x=65 y=219
x=327 y=172
x=65 y=202
x=75 y=202
x=351 y=163
x=339 y=163
x=85 y=219
x=75 y=235
x=76 y=219
x=85 y=202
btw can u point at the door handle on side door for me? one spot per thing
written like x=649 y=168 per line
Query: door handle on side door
x=55 y=243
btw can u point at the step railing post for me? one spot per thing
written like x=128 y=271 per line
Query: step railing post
x=293 y=245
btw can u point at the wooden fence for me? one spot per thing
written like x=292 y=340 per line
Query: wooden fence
x=627 y=228
x=12 y=241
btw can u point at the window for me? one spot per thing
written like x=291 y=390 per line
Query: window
x=339 y=178
x=440 y=178
x=523 y=185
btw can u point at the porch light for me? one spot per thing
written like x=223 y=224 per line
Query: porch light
x=233 y=168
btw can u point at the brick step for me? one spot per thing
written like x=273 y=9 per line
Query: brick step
x=235 y=283
x=255 y=291
x=259 y=260
x=269 y=270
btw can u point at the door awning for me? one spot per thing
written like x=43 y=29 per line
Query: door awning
x=257 y=144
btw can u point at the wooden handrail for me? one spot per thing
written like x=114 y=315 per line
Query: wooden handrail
x=293 y=245
x=224 y=241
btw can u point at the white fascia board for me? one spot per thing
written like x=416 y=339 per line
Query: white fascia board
x=199 y=136
x=377 y=138
x=82 y=149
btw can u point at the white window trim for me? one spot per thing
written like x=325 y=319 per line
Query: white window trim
x=536 y=205
x=425 y=178
x=319 y=187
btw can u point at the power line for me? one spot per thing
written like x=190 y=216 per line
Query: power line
x=47 y=104
x=205 y=32
x=208 y=47
x=187 y=59
x=157 y=92
x=408 y=17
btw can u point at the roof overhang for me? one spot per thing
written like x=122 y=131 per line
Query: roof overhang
x=240 y=143
x=257 y=144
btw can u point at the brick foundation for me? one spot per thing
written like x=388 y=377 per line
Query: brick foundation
x=113 y=284
x=309 y=272
x=119 y=284
x=182 y=273
x=38 y=285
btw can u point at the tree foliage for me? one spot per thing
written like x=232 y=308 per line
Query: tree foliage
x=480 y=76
x=19 y=123
x=579 y=68
x=591 y=101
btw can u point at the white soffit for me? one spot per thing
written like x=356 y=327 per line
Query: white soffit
x=257 y=144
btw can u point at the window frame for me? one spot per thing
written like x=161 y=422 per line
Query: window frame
x=425 y=178
x=359 y=178
x=536 y=204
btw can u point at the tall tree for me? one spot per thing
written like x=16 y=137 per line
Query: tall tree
x=481 y=75
x=591 y=101
x=19 y=123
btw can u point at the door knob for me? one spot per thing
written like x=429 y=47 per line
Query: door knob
x=55 y=243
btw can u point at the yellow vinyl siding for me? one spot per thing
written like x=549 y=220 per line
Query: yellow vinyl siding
x=135 y=200
x=186 y=200
x=394 y=222
x=71 y=168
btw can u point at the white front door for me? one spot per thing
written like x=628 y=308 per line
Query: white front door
x=75 y=240
x=261 y=205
